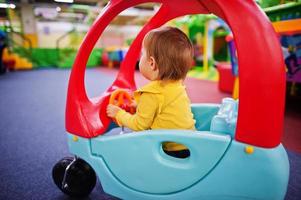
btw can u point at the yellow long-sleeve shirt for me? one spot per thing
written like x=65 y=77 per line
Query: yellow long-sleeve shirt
x=160 y=105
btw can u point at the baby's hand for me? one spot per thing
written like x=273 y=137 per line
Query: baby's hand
x=133 y=104
x=112 y=110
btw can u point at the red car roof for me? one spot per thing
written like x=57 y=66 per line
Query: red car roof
x=261 y=68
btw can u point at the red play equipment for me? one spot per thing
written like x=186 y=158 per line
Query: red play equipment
x=226 y=78
x=87 y=117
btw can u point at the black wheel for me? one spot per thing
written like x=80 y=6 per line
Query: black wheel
x=78 y=180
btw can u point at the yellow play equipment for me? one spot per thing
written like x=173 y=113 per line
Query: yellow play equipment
x=17 y=62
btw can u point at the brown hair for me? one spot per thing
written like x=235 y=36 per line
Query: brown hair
x=172 y=51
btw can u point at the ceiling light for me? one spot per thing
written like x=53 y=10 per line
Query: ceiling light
x=64 y=1
x=5 y=5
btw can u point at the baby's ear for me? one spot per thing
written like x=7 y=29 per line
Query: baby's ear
x=153 y=63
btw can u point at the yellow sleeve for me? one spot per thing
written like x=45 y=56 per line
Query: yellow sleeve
x=143 y=118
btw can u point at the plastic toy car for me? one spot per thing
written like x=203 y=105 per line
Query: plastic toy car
x=234 y=154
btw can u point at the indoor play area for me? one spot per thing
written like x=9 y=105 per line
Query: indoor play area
x=65 y=62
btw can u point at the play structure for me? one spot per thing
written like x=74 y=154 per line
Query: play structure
x=286 y=20
x=235 y=153
x=112 y=57
x=228 y=72
x=13 y=60
x=24 y=51
x=288 y=26
x=206 y=43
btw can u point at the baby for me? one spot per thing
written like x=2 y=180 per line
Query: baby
x=163 y=103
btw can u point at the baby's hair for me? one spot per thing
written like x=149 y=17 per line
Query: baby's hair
x=172 y=51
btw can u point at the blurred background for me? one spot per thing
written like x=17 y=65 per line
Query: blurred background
x=39 y=40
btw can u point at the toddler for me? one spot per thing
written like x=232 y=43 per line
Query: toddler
x=163 y=103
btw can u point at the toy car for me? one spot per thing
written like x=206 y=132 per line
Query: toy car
x=234 y=154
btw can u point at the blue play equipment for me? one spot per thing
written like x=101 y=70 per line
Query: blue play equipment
x=134 y=165
x=225 y=120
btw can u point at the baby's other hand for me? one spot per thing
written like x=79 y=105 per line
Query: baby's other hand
x=112 y=110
